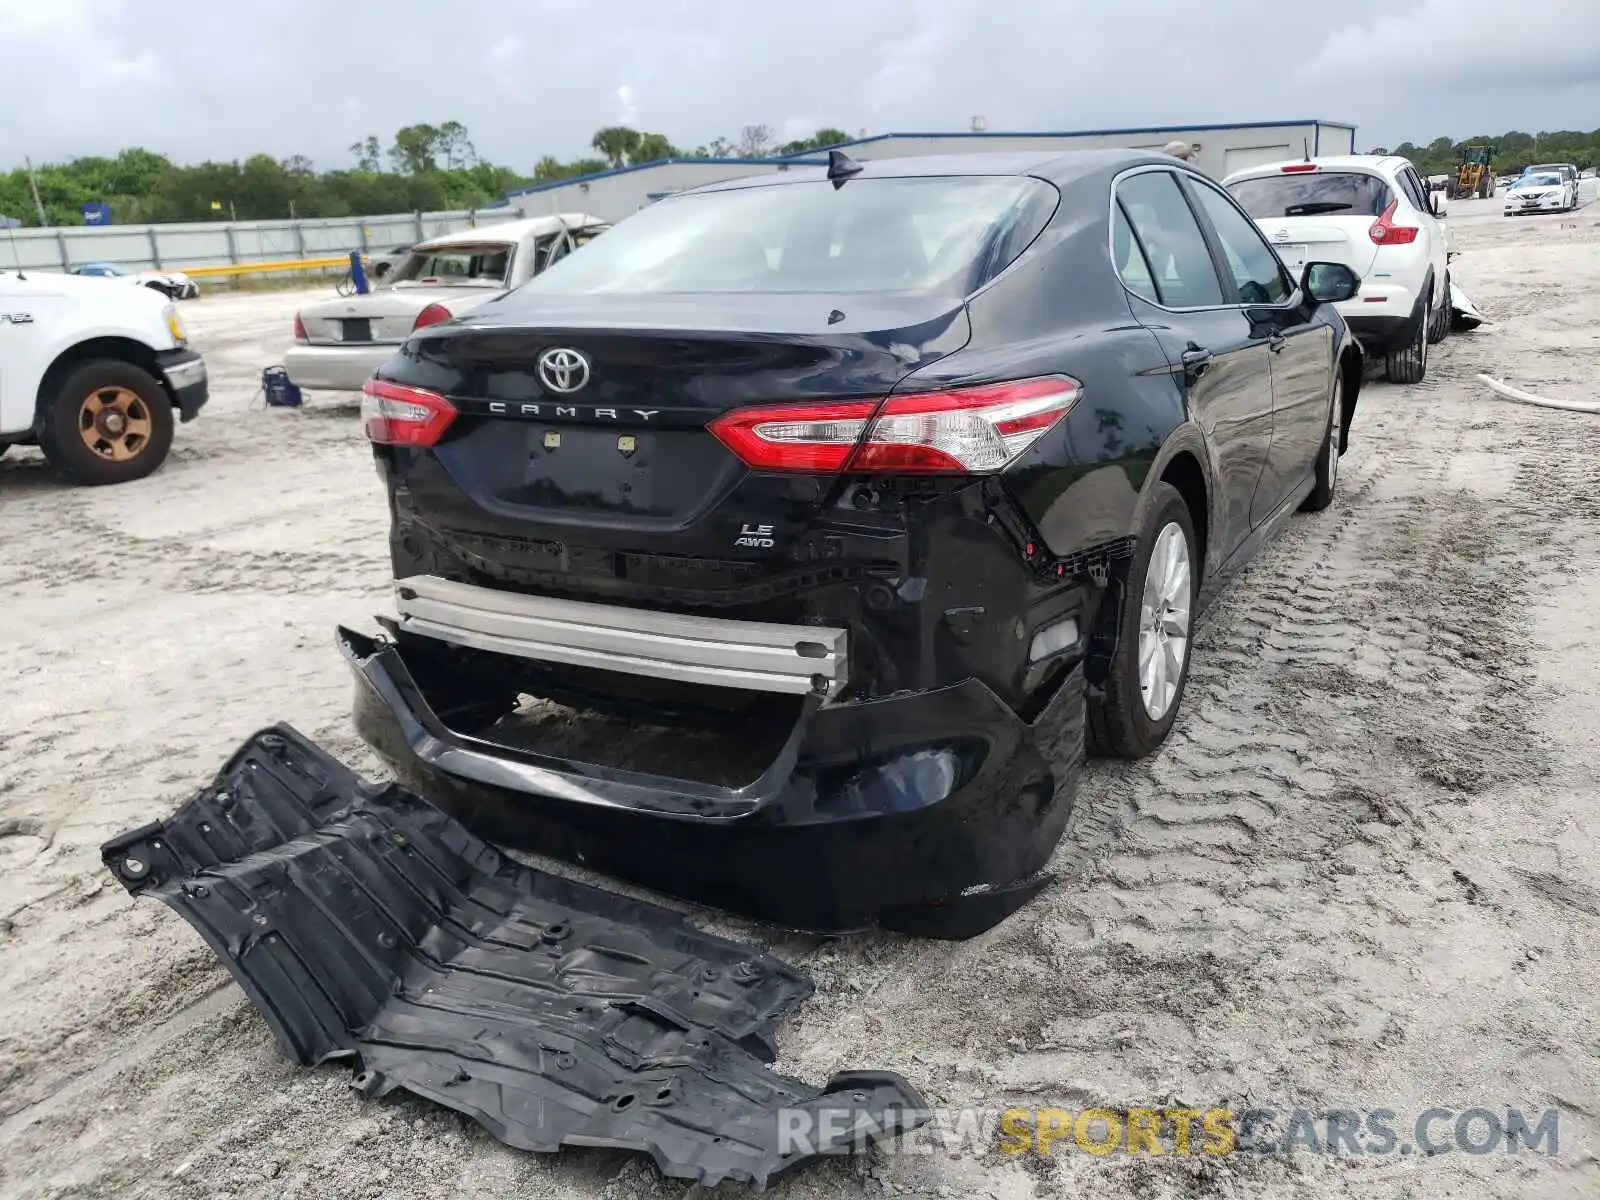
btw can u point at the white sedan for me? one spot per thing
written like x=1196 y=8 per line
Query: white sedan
x=1541 y=191
x=339 y=343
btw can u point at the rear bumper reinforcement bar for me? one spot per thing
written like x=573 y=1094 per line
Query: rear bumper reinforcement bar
x=364 y=923
x=752 y=655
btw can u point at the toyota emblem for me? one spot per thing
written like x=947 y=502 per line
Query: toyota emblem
x=563 y=370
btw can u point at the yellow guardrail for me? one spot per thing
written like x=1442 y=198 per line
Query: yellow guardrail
x=262 y=268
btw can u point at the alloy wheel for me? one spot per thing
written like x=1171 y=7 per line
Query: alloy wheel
x=1164 y=621
x=114 y=423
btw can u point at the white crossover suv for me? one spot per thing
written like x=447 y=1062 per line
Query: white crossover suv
x=1374 y=214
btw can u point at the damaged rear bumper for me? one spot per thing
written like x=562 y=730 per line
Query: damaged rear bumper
x=932 y=813
x=365 y=924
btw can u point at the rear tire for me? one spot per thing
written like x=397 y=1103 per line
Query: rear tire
x=1120 y=722
x=108 y=422
x=1410 y=364
x=1328 y=457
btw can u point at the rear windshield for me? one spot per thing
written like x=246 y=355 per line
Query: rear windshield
x=1330 y=192
x=931 y=234
x=457 y=264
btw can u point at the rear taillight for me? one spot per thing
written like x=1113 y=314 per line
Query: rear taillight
x=1386 y=233
x=396 y=415
x=1298 y=168
x=969 y=430
x=300 y=329
x=434 y=314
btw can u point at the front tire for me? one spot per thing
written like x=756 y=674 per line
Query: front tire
x=108 y=422
x=1410 y=364
x=1150 y=666
x=1440 y=329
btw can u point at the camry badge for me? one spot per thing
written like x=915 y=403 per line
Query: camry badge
x=562 y=370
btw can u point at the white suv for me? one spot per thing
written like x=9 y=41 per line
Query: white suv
x=1375 y=215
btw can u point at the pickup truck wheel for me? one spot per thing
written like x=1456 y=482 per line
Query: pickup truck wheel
x=108 y=422
x=1150 y=666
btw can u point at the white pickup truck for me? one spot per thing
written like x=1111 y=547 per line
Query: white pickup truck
x=96 y=376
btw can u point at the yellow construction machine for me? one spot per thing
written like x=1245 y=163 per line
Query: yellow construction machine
x=1474 y=176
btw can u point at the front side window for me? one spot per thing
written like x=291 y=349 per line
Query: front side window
x=1175 y=249
x=925 y=234
x=1257 y=273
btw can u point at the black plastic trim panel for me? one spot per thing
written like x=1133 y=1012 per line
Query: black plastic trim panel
x=363 y=923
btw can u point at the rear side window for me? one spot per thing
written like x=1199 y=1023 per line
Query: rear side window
x=1333 y=193
x=942 y=234
x=1174 y=247
x=1131 y=262
x=457 y=264
x=1257 y=273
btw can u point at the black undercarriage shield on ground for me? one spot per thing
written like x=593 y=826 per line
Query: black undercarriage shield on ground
x=364 y=923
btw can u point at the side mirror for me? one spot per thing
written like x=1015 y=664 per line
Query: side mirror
x=1329 y=283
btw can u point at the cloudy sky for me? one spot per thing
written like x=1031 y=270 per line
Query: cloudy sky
x=226 y=78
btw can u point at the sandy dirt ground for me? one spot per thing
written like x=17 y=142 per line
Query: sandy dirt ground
x=1363 y=873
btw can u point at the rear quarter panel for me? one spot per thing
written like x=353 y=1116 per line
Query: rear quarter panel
x=1061 y=309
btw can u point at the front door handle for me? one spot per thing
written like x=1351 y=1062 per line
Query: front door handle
x=1276 y=343
x=1195 y=360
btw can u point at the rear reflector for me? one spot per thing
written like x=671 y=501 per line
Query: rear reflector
x=396 y=415
x=434 y=314
x=1297 y=168
x=1385 y=232
x=969 y=430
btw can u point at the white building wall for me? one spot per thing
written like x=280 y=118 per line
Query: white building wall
x=615 y=196
x=1222 y=149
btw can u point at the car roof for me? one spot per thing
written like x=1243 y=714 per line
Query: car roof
x=1380 y=164
x=511 y=231
x=1057 y=166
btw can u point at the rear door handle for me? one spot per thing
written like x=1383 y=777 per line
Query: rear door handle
x=1195 y=360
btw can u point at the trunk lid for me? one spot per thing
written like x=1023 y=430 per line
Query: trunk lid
x=617 y=491
x=1338 y=239
x=627 y=448
x=387 y=315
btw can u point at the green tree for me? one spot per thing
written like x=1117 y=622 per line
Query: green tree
x=415 y=150
x=368 y=154
x=652 y=147
x=455 y=146
x=617 y=142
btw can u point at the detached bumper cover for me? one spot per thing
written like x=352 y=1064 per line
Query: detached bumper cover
x=363 y=923
x=933 y=813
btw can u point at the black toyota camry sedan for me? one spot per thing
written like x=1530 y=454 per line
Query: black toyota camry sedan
x=880 y=488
